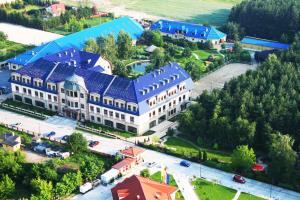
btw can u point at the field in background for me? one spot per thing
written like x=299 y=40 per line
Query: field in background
x=214 y=12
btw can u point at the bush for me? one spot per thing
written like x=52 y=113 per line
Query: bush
x=170 y=132
x=145 y=173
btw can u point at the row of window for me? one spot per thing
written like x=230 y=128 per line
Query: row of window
x=111 y=113
x=36 y=94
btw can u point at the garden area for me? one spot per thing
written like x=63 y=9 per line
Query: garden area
x=10 y=49
x=30 y=108
x=157 y=177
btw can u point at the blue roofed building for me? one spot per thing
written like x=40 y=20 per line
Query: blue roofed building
x=189 y=31
x=77 y=40
x=258 y=44
x=72 y=83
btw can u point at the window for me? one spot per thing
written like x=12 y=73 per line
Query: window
x=72 y=104
x=63 y=100
x=164 y=107
x=105 y=112
x=49 y=96
x=98 y=110
x=134 y=108
x=36 y=93
x=40 y=84
x=17 y=88
x=105 y=101
x=92 y=118
x=69 y=104
x=122 y=116
x=131 y=119
x=49 y=87
x=111 y=113
x=159 y=110
x=76 y=104
x=41 y=95
x=75 y=94
x=62 y=90
x=55 y=108
x=98 y=119
x=91 y=108
x=29 y=91
x=50 y=106
x=110 y=102
x=92 y=98
x=117 y=104
x=53 y=87
x=117 y=115
x=122 y=105
x=81 y=95
x=55 y=98
x=183 y=97
x=170 y=104
x=129 y=107
x=179 y=99
x=97 y=99
x=82 y=106
x=24 y=90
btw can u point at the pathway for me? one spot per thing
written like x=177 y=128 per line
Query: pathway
x=237 y=195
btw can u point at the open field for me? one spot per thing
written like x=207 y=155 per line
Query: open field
x=214 y=12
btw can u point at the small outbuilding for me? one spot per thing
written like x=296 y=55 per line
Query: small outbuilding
x=10 y=141
x=109 y=175
x=151 y=48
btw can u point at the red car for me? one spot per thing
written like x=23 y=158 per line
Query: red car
x=94 y=143
x=239 y=179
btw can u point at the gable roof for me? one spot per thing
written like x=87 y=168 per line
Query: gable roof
x=58 y=8
x=136 y=187
x=78 y=39
x=265 y=43
x=123 y=163
x=188 y=29
x=132 y=151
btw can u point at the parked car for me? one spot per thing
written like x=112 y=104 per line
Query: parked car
x=85 y=188
x=185 y=163
x=151 y=164
x=96 y=182
x=51 y=134
x=239 y=179
x=94 y=143
x=15 y=125
x=65 y=137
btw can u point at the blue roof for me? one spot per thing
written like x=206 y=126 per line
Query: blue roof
x=77 y=40
x=265 y=43
x=188 y=29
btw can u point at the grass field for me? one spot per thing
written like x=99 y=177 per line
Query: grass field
x=245 y=196
x=214 y=12
x=208 y=190
x=10 y=49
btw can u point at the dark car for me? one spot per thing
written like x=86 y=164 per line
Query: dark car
x=65 y=138
x=185 y=163
x=51 y=134
x=239 y=179
x=94 y=143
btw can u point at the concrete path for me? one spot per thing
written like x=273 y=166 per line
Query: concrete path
x=237 y=195
x=185 y=187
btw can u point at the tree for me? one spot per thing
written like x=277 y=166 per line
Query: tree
x=283 y=157
x=7 y=187
x=194 y=70
x=90 y=169
x=157 y=58
x=204 y=156
x=109 y=49
x=233 y=30
x=152 y=37
x=68 y=184
x=74 y=25
x=77 y=143
x=208 y=45
x=145 y=173
x=3 y=36
x=42 y=188
x=91 y=46
x=11 y=163
x=124 y=44
x=237 y=47
x=243 y=158
x=186 y=52
x=120 y=69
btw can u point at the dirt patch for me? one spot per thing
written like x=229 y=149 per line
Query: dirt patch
x=32 y=157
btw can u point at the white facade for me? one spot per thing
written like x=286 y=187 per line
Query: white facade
x=79 y=104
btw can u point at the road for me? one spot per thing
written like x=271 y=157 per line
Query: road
x=64 y=126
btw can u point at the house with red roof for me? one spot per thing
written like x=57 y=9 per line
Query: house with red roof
x=133 y=152
x=56 y=9
x=140 y=188
x=125 y=165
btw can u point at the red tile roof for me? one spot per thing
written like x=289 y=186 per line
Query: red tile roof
x=58 y=8
x=123 y=163
x=132 y=151
x=140 y=188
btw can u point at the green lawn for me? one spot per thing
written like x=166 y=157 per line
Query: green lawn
x=209 y=191
x=10 y=49
x=214 y=12
x=25 y=9
x=182 y=147
x=245 y=196
x=157 y=177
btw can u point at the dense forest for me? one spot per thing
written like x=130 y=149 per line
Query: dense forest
x=270 y=19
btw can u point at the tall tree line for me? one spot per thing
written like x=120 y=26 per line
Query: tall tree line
x=271 y=19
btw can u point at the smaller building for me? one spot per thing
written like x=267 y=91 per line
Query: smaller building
x=125 y=165
x=56 y=9
x=133 y=152
x=258 y=44
x=10 y=142
x=140 y=188
x=190 y=32
x=110 y=175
